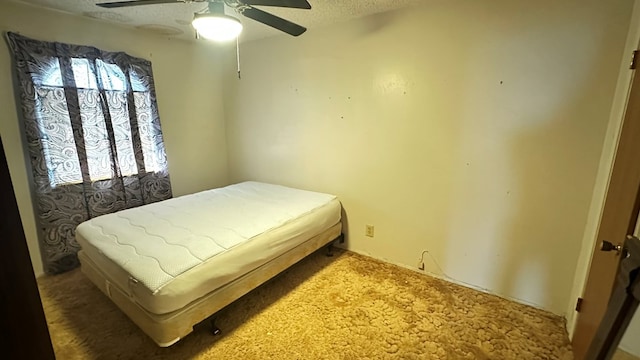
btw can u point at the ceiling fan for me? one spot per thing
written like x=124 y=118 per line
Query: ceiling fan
x=213 y=23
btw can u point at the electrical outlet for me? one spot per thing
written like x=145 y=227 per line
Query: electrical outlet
x=369 y=230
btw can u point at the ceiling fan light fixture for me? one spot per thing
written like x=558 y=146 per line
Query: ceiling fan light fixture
x=217 y=27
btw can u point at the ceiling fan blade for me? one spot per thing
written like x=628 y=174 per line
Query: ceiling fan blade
x=274 y=21
x=298 y=4
x=119 y=4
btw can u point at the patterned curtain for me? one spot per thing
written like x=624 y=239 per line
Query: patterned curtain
x=93 y=137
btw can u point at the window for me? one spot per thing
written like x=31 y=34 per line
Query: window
x=103 y=143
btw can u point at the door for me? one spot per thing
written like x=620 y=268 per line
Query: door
x=618 y=219
x=621 y=309
x=25 y=332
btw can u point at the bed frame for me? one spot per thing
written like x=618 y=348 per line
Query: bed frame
x=167 y=329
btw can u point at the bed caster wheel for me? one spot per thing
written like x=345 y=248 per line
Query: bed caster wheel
x=215 y=331
x=329 y=250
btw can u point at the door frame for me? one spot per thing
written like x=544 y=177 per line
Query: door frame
x=21 y=310
x=601 y=191
x=604 y=170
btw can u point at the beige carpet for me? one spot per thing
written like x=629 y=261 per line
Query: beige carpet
x=623 y=355
x=345 y=307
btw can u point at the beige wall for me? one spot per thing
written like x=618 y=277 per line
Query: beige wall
x=468 y=129
x=187 y=85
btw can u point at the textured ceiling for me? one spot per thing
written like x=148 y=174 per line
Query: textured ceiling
x=175 y=19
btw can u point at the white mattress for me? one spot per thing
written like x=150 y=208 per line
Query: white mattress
x=167 y=254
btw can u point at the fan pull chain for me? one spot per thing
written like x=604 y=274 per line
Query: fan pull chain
x=238 y=55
